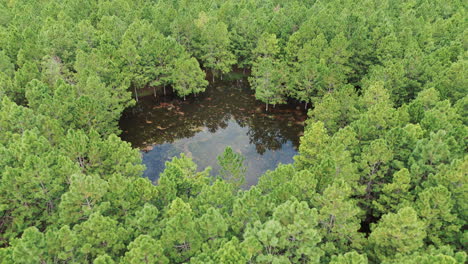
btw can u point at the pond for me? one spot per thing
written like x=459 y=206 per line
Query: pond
x=226 y=114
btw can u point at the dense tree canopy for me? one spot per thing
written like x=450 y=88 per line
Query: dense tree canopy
x=381 y=174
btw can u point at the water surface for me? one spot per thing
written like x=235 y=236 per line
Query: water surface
x=226 y=114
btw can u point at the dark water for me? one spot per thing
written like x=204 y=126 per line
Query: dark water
x=226 y=114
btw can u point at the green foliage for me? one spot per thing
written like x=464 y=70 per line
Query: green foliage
x=435 y=208
x=180 y=179
x=145 y=249
x=84 y=195
x=212 y=225
x=336 y=110
x=230 y=253
x=187 y=77
x=285 y=183
x=180 y=236
x=396 y=194
x=328 y=158
x=321 y=67
x=30 y=248
x=267 y=46
x=218 y=195
x=339 y=220
x=290 y=236
x=213 y=47
x=432 y=255
x=249 y=207
x=232 y=167
x=314 y=140
x=100 y=235
x=103 y=259
x=349 y=258
x=401 y=233
x=34 y=175
x=381 y=168
x=268 y=80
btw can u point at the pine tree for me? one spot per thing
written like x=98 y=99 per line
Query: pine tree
x=395 y=195
x=349 y=258
x=100 y=235
x=339 y=220
x=290 y=235
x=401 y=233
x=31 y=248
x=214 y=45
x=314 y=140
x=232 y=167
x=33 y=177
x=212 y=225
x=230 y=253
x=144 y=249
x=180 y=179
x=82 y=199
x=180 y=237
x=268 y=80
x=187 y=77
x=435 y=208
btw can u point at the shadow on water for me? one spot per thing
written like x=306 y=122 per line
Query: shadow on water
x=226 y=114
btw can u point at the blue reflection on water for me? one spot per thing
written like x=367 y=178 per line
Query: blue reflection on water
x=205 y=146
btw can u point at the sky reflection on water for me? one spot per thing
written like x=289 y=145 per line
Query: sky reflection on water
x=227 y=114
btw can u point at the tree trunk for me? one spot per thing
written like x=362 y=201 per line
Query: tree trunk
x=136 y=94
x=154 y=90
x=305 y=107
x=266 y=106
x=184 y=97
x=164 y=87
